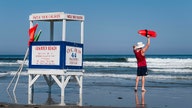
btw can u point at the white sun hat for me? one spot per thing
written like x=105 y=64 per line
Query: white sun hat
x=140 y=45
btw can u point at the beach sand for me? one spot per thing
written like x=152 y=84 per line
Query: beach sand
x=102 y=93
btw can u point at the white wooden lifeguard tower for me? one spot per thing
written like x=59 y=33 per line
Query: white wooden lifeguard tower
x=57 y=60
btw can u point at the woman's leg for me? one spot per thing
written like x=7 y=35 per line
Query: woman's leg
x=143 y=84
x=136 y=83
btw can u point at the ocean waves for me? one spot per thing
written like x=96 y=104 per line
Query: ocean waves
x=159 y=67
x=8 y=63
x=112 y=75
x=131 y=76
x=106 y=59
x=175 y=65
x=154 y=64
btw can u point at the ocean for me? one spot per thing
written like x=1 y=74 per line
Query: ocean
x=164 y=70
x=172 y=68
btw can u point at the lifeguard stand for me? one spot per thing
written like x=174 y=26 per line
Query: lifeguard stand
x=57 y=60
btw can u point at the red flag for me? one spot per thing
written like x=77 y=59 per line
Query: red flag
x=32 y=34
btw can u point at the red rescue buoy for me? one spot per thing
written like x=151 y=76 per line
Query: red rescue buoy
x=146 y=32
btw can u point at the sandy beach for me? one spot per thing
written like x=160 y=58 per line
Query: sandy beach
x=109 y=92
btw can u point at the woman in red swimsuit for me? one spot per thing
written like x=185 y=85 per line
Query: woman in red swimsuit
x=139 y=51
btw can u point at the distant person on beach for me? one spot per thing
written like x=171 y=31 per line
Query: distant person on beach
x=139 y=51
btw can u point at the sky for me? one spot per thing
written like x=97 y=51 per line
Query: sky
x=111 y=26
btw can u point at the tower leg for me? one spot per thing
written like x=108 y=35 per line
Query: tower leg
x=62 y=90
x=81 y=91
x=30 y=100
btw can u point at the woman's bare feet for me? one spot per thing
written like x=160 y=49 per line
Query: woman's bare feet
x=143 y=90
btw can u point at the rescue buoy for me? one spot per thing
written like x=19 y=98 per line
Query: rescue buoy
x=146 y=32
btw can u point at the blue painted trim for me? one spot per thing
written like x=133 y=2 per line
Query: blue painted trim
x=62 y=63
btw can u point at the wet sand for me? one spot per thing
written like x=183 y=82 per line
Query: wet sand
x=102 y=94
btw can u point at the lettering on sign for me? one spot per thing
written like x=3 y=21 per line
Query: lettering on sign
x=74 y=17
x=46 y=16
x=46 y=55
x=73 y=56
